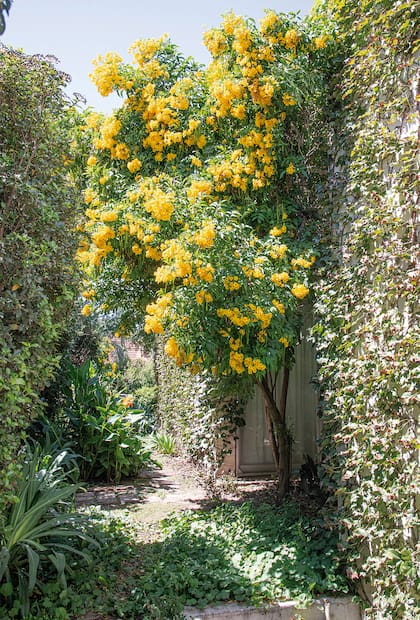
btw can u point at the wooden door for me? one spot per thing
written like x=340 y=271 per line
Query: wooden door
x=254 y=452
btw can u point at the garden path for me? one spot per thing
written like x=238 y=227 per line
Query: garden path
x=158 y=492
x=150 y=497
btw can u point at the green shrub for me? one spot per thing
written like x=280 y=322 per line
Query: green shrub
x=38 y=212
x=105 y=433
x=163 y=443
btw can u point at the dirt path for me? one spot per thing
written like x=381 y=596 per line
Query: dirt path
x=152 y=496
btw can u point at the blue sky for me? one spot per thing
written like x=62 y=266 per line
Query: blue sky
x=78 y=31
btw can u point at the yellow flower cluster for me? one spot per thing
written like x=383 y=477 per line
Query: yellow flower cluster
x=236 y=362
x=254 y=365
x=101 y=237
x=203 y=296
x=106 y=74
x=277 y=232
x=278 y=251
x=260 y=315
x=153 y=325
x=199 y=187
x=204 y=238
x=205 y=272
x=180 y=266
x=215 y=41
x=300 y=291
x=280 y=307
x=143 y=50
x=301 y=262
x=175 y=351
x=158 y=203
x=280 y=279
x=108 y=216
x=253 y=272
x=231 y=283
x=234 y=315
x=239 y=363
x=109 y=129
x=288 y=100
x=86 y=310
x=134 y=165
x=156 y=312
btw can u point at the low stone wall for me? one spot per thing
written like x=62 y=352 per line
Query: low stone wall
x=321 y=609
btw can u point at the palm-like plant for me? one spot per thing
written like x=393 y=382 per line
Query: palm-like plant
x=40 y=530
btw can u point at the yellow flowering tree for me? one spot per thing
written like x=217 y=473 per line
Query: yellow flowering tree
x=197 y=197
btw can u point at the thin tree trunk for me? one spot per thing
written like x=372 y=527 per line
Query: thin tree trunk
x=277 y=429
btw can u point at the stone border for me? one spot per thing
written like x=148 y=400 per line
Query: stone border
x=322 y=609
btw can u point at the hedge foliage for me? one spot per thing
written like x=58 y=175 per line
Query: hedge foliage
x=198 y=412
x=366 y=302
x=38 y=210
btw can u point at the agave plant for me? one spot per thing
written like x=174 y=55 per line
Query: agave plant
x=40 y=530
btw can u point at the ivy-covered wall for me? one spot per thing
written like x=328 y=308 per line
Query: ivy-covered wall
x=366 y=304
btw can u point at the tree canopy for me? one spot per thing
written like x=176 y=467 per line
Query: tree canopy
x=200 y=185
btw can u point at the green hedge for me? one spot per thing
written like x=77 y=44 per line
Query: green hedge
x=366 y=302
x=199 y=412
x=38 y=210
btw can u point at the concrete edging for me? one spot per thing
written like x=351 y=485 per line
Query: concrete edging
x=327 y=608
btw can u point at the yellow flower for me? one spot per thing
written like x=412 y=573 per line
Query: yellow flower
x=288 y=100
x=86 y=310
x=320 y=42
x=236 y=362
x=284 y=342
x=278 y=305
x=91 y=160
x=136 y=249
x=153 y=325
x=108 y=216
x=254 y=365
x=299 y=291
x=205 y=273
x=205 y=237
x=290 y=169
x=88 y=294
x=195 y=161
x=231 y=283
x=121 y=151
x=280 y=279
x=89 y=195
x=203 y=296
x=291 y=39
x=201 y=141
x=278 y=251
x=134 y=165
x=301 y=262
x=276 y=232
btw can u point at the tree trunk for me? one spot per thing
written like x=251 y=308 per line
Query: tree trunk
x=276 y=422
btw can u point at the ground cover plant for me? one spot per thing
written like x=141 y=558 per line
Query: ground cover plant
x=249 y=552
x=254 y=553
